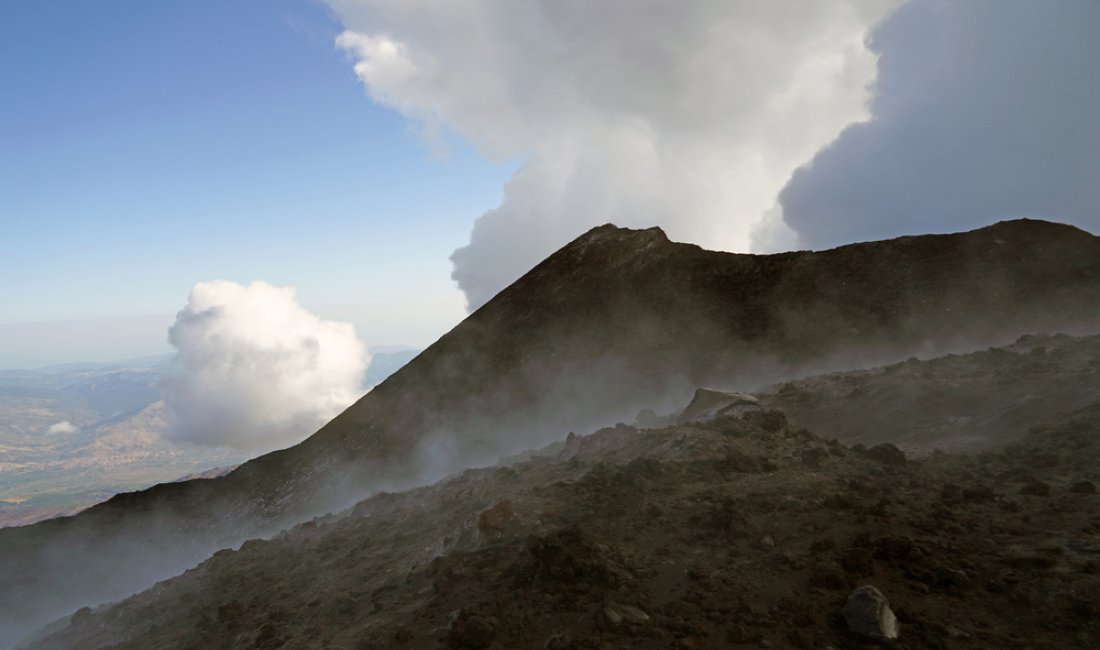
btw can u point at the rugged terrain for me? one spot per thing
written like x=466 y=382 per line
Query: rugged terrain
x=967 y=402
x=616 y=321
x=737 y=531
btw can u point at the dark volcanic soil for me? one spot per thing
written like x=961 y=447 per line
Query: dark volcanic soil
x=737 y=532
x=957 y=402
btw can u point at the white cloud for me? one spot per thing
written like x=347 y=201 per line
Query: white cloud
x=256 y=371
x=687 y=115
x=983 y=110
x=64 y=427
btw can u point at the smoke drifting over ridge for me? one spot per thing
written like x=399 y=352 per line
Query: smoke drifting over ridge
x=257 y=371
x=690 y=116
x=983 y=110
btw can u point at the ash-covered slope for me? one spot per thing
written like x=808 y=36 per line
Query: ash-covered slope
x=956 y=402
x=621 y=318
x=726 y=533
x=615 y=320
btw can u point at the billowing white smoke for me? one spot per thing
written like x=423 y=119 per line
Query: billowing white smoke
x=983 y=110
x=256 y=371
x=688 y=115
x=62 y=427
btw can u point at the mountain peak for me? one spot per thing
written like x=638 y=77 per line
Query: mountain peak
x=609 y=232
x=612 y=245
x=1029 y=227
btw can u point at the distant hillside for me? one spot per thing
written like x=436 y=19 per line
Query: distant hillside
x=107 y=420
x=614 y=321
x=77 y=434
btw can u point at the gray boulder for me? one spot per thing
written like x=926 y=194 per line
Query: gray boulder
x=709 y=403
x=868 y=612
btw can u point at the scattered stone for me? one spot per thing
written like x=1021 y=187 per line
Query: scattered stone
x=708 y=403
x=948 y=578
x=81 y=615
x=868 y=612
x=857 y=562
x=813 y=458
x=1083 y=487
x=837 y=502
x=615 y=614
x=1017 y=475
x=828 y=576
x=766 y=542
x=569 y=557
x=227 y=614
x=893 y=548
x=572 y=447
x=737 y=633
x=1038 y=489
x=887 y=454
x=493 y=520
x=978 y=493
x=471 y=631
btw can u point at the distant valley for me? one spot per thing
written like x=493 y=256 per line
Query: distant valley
x=77 y=434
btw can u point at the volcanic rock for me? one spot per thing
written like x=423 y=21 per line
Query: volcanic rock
x=492 y=521
x=614 y=613
x=867 y=612
x=887 y=454
x=1038 y=489
x=708 y=403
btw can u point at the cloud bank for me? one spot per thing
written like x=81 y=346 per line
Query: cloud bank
x=983 y=110
x=690 y=116
x=256 y=371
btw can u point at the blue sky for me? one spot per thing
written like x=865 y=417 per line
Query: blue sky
x=146 y=146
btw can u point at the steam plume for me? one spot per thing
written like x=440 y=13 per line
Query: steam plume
x=256 y=370
x=983 y=110
x=63 y=426
x=691 y=116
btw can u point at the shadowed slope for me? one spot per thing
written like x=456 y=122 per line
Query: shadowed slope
x=615 y=320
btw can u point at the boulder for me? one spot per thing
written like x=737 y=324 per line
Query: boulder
x=709 y=403
x=492 y=521
x=615 y=614
x=868 y=612
x=1037 y=489
x=887 y=454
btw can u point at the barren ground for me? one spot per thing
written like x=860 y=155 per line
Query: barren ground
x=737 y=532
